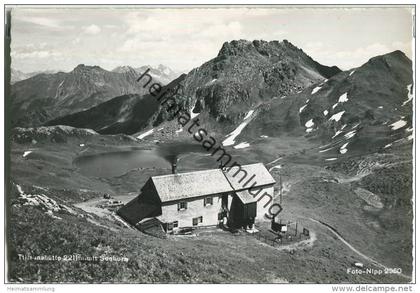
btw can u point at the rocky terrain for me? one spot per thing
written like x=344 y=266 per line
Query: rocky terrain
x=338 y=143
x=359 y=111
x=245 y=74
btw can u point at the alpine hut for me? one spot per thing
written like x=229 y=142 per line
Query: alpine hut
x=236 y=196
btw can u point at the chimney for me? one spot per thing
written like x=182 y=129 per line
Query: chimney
x=174 y=167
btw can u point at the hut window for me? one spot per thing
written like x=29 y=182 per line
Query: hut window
x=175 y=224
x=208 y=201
x=198 y=220
x=182 y=205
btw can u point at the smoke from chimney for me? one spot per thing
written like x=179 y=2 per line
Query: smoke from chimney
x=174 y=167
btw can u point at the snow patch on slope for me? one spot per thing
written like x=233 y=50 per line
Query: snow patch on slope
x=248 y=114
x=343 y=148
x=241 y=145
x=316 y=89
x=309 y=123
x=409 y=95
x=192 y=114
x=331 y=159
x=398 y=124
x=343 y=98
x=302 y=108
x=144 y=134
x=326 y=150
x=274 y=167
x=350 y=134
x=337 y=116
x=337 y=133
x=231 y=136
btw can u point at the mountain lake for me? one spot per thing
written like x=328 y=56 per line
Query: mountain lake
x=118 y=163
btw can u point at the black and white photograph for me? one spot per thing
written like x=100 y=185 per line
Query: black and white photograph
x=210 y=144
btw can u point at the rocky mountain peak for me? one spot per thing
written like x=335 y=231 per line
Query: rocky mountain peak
x=393 y=61
x=238 y=47
x=85 y=68
x=392 y=56
x=266 y=48
x=273 y=52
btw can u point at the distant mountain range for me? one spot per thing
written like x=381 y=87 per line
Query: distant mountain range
x=46 y=96
x=275 y=86
x=162 y=73
x=243 y=75
x=124 y=114
x=17 y=75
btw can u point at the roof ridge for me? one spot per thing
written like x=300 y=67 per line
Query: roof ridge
x=185 y=173
x=200 y=171
x=172 y=187
x=228 y=181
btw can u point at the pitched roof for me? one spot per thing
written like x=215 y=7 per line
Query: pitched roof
x=245 y=197
x=134 y=211
x=200 y=183
x=262 y=176
x=193 y=184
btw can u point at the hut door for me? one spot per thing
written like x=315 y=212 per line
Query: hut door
x=225 y=202
x=223 y=213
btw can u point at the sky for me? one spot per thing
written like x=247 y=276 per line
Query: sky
x=60 y=38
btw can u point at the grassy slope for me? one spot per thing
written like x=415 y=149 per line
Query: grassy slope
x=213 y=256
